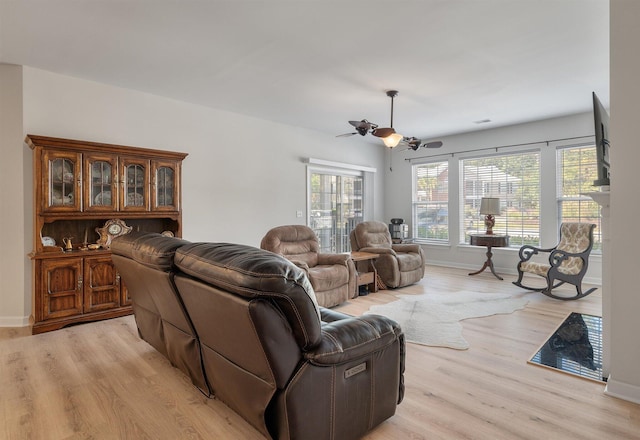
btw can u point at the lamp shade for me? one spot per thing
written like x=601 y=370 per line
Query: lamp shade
x=392 y=140
x=490 y=206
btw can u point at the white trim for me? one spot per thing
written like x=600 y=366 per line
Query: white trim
x=621 y=390
x=329 y=163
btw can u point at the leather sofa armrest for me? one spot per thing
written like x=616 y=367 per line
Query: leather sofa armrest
x=378 y=250
x=350 y=338
x=327 y=259
x=406 y=247
x=329 y=315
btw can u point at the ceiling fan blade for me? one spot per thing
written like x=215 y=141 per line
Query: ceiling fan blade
x=363 y=124
x=435 y=144
x=383 y=132
x=345 y=135
x=363 y=127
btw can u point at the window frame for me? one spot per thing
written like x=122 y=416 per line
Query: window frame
x=441 y=204
x=508 y=195
x=584 y=202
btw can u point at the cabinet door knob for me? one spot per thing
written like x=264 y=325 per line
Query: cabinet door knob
x=80 y=282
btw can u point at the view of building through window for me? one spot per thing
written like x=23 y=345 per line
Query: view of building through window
x=514 y=179
x=336 y=206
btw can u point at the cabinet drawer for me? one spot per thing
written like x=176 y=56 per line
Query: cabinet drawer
x=365 y=278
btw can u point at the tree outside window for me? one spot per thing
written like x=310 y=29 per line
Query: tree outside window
x=513 y=178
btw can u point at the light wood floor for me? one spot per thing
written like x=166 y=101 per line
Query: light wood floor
x=100 y=381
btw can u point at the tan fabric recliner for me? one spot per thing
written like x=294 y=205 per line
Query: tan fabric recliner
x=333 y=276
x=398 y=265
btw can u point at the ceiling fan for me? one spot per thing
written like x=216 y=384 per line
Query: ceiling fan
x=388 y=134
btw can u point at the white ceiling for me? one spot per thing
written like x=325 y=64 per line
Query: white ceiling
x=319 y=63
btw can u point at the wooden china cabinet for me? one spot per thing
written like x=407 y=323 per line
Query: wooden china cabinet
x=85 y=194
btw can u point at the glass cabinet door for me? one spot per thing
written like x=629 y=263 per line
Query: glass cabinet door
x=99 y=183
x=135 y=185
x=62 y=185
x=164 y=186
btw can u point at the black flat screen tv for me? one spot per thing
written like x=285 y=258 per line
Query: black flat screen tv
x=601 y=122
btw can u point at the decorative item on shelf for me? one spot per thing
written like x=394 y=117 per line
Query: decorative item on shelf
x=167 y=233
x=111 y=229
x=48 y=241
x=490 y=207
x=85 y=243
x=68 y=245
x=103 y=198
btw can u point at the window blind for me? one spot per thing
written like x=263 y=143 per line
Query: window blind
x=576 y=171
x=514 y=178
x=431 y=201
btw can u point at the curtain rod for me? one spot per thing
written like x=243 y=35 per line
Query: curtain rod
x=502 y=146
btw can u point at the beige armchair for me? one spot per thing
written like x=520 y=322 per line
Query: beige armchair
x=398 y=265
x=333 y=276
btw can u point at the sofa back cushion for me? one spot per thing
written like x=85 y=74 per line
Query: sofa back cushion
x=255 y=273
x=295 y=242
x=147 y=248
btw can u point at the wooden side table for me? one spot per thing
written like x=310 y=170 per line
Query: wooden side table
x=366 y=270
x=490 y=241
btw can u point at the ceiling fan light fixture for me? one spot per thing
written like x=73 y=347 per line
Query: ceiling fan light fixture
x=392 y=140
x=388 y=134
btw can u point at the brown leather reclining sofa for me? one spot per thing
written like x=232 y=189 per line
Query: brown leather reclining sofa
x=244 y=325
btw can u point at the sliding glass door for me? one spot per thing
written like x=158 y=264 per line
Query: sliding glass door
x=336 y=206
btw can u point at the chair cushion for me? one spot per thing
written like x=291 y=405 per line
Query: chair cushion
x=574 y=237
x=371 y=234
x=535 y=268
x=408 y=262
x=295 y=242
x=571 y=266
x=325 y=278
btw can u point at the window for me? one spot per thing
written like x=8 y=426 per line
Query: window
x=577 y=169
x=515 y=179
x=431 y=201
x=336 y=206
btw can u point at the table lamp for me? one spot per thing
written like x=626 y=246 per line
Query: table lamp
x=489 y=206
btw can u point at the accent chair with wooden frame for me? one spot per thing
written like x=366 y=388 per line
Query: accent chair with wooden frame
x=568 y=261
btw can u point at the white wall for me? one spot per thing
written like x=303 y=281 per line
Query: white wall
x=15 y=203
x=398 y=186
x=624 y=379
x=242 y=175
